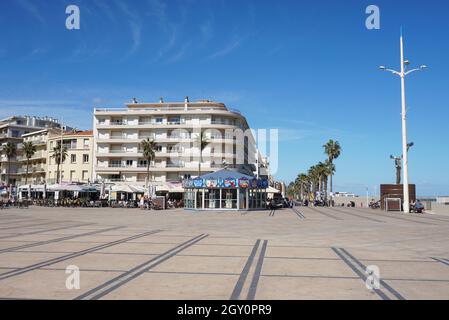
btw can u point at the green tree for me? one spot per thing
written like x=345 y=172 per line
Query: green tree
x=29 y=149
x=10 y=150
x=59 y=154
x=332 y=149
x=201 y=141
x=149 y=153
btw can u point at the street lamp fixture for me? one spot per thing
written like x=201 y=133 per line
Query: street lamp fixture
x=405 y=146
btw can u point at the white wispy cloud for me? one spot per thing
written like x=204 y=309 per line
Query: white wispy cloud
x=136 y=33
x=105 y=9
x=135 y=25
x=226 y=50
x=207 y=30
x=32 y=9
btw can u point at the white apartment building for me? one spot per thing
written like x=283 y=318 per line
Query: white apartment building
x=175 y=128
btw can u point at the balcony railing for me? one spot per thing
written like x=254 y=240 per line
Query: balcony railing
x=174 y=165
x=230 y=123
x=118 y=123
x=116 y=165
x=31 y=170
x=118 y=151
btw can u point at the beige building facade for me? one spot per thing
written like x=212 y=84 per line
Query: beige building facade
x=77 y=166
x=37 y=164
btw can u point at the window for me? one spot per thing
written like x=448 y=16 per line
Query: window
x=158 y=148
x=51 y=144
x=85 y=175
x=86 y=143
x=129 y=163
x=142 y=163
x=73 y=144
x=115 y=163
x=159 y=120
x=73 y=158
x=72 y=175
x=85 y=158
x=115 y=177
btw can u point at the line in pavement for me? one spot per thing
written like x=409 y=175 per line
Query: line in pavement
x=244 y=274
x=71 y=255
x=32 y=225
x=441 y=260
x=361 y=274
x=113 y=284
x=256 y=276
x=46 y=230
x=8 y=223
x=324 y=213
x=298 y=213
x=399 y=218
x=382 y=282
x=40 y=243
x=357 y=215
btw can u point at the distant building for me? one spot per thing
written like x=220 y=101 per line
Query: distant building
x=11 y=130
x=344 y=194
x=442 y=200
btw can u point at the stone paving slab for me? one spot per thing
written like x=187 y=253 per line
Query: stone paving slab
x=422 y=290
x=306 y=267
x=50 y=284
x=176 y=286
x=203 y=264
x=310 y=288
x=17 y=259
x=95 y=261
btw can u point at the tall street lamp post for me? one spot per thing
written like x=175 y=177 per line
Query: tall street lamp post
x=404 y=72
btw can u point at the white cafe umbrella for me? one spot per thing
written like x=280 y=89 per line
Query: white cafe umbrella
x=44 y=195
x=110 y=194
x=29 y=191
x=102 y=190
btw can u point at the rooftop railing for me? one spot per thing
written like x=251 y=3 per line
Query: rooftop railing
x=166 y=108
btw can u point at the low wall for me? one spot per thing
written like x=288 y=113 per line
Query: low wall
x=359 y=201
x=440 y=208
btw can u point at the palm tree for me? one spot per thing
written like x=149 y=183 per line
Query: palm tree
x=10 y=150
x=332 y=149
x=322 y=173
x=303 y=185
x=59 y=154
x=202 y=142
x=29 y=149
x=149 y=149
x=313 y=177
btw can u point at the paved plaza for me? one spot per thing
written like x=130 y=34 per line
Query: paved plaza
x=300 y=253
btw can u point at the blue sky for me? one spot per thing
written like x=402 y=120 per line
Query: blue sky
x=308 y=68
